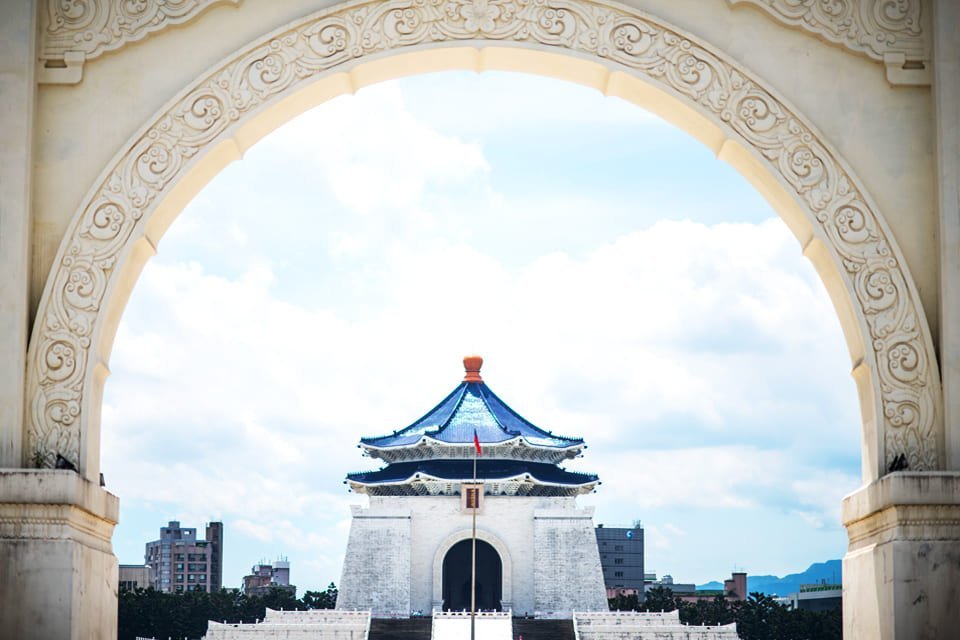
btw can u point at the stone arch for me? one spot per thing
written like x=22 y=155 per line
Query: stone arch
x=489 y=577
x=465 y=534
x=613 y=48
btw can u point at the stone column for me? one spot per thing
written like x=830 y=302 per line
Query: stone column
x=901 y=573
x=946 y=100
x=57 y=567
x=17 y=87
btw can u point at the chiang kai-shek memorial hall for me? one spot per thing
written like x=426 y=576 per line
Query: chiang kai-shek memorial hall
x=410 y=549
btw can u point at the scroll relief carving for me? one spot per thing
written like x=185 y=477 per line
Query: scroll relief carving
x=74 y=31
x=900 y=351
x=893 y=32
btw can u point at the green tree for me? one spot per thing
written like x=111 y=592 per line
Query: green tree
x=759 y=617
x=152 y=614
x=321 y=599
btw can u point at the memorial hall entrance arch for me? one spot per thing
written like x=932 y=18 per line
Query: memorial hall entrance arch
x=456 y=577
x=612 y=47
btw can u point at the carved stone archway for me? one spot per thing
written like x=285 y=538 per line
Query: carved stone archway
x=616 y=49
x=903 y=526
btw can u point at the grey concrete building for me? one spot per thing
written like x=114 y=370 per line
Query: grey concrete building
x=135 y=576
x=621 y=558
x=817 y=597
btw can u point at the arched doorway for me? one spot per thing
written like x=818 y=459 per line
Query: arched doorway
x=456 y=577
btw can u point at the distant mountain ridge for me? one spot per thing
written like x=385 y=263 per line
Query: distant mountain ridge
x=828 y=571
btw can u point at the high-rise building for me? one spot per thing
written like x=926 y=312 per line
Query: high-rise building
x=181 y=562
x=621 y=557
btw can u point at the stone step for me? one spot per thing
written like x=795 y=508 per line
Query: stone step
x=419 y=629
x=400 y=629
x=542 y=629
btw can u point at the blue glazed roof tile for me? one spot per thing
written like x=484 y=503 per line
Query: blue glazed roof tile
x=472 y=406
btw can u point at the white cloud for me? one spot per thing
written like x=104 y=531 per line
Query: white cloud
x=386 y=162
x=702 y=362
x=244 y=364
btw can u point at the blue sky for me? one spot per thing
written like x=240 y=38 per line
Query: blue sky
x=621 y=283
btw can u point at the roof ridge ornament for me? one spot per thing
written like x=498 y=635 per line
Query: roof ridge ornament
x=471 y=365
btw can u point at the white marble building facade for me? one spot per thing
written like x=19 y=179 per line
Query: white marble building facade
x=537 y=550
x=547 y=545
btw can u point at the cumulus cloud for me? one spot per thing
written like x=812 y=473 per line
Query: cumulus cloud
x=702 y=362
x=388 y=161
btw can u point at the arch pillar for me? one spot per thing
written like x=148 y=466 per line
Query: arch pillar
x=901 y=572
x=56 y=556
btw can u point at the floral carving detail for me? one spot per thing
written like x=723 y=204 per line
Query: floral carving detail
x=93 y=27
x=899 y=350
x=480 y=16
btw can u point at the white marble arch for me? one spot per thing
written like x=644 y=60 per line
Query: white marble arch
x=904 y=527
x=615 y=49
x=465 y=534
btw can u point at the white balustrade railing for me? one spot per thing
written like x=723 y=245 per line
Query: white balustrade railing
x=316 y=624
x=633 y=625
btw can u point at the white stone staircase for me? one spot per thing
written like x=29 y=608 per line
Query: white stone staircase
x=455 y=625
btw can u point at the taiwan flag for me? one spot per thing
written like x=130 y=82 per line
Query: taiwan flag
x=476 y=443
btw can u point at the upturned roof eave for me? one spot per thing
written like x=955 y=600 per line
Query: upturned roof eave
x=573 y=444
x=588 y=478
x=428 y=476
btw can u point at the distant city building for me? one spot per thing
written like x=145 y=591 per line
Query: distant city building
x=135 y=576
x=667 y=582
x=734 y=588
x=621 y=558
x=264 y=577
x=181 y=562
x=817 y=597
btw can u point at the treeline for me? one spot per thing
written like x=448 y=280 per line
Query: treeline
x=147 y=613
x=759 y=617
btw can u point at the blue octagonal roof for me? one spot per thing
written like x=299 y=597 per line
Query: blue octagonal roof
x=472 y=406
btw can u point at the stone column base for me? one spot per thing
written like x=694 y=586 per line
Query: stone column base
x=901 y=574
x=57 y=567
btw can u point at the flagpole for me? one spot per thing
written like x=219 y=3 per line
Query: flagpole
x=473 y=567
